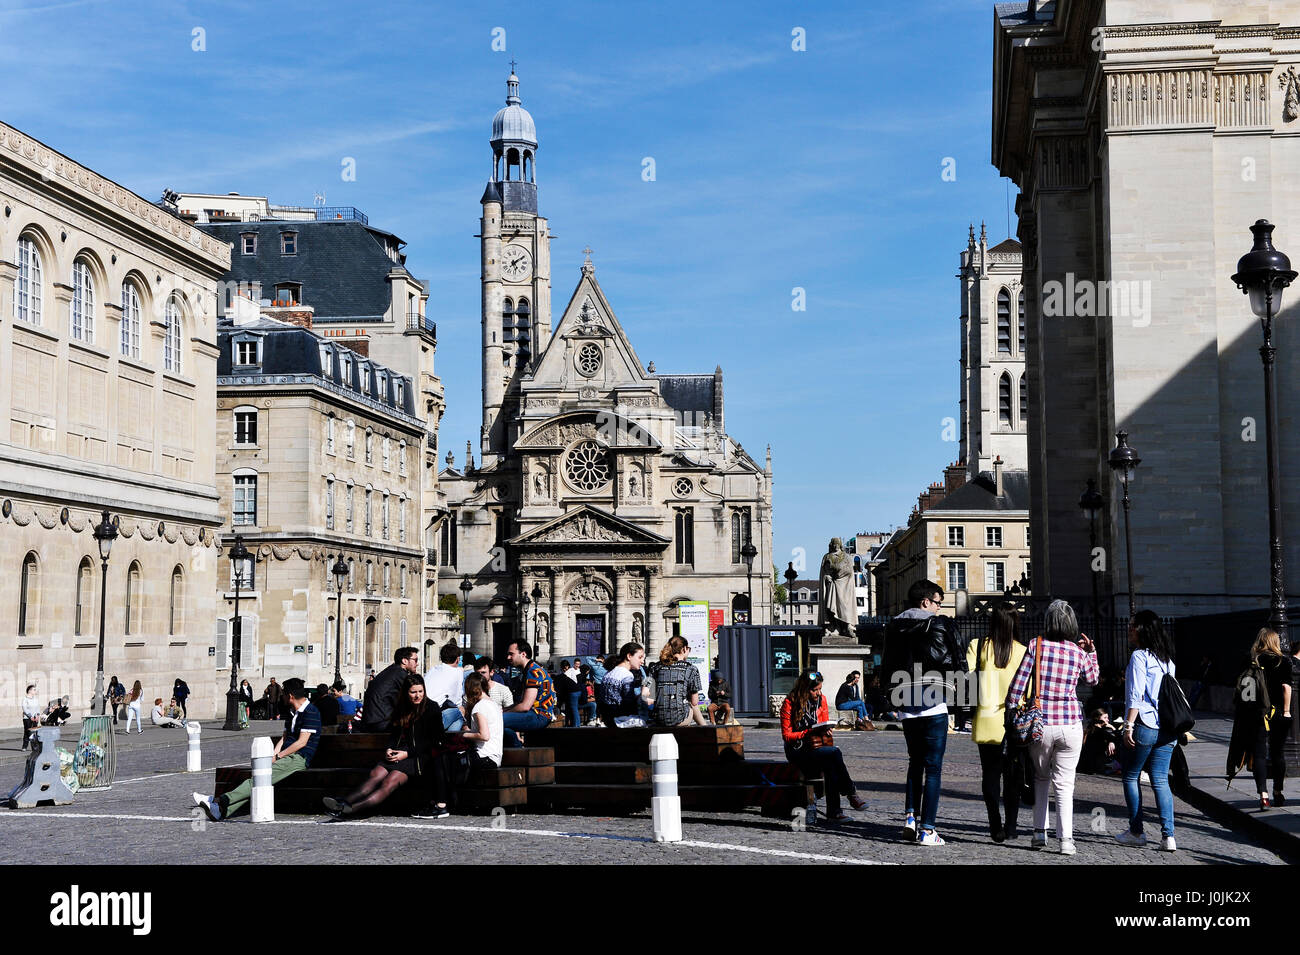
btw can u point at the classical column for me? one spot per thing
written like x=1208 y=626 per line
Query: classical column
x=555 y=618
x=654 y=623
x=617 y=628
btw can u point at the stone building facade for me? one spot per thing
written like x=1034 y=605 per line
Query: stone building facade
x=1145 y=138
x=319 y=455
x=108 y=353
x=605 y=493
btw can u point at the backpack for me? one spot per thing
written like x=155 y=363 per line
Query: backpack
x=1251 y=689
x=1173 y=710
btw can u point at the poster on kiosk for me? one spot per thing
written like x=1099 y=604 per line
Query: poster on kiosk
x=693 y=625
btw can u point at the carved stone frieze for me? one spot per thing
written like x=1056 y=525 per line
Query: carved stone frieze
x=582 y=529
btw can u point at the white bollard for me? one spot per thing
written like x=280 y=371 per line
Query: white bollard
x=194 y=755
x=665 y=804
x=262 y=804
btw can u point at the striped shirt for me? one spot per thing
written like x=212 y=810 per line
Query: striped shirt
x=1058 y=676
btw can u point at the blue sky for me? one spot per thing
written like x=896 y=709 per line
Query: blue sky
x=775 y=169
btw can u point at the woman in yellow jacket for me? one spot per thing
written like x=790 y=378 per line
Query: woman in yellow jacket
x=993 y=661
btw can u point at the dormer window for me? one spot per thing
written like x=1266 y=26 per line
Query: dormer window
x=288 y=243
x=247 y=352
x=326 y=361
x=345 y=364
x=366 y=378
x=288 y=293
x=383 y=386
x=248 y=243
x=399 y=392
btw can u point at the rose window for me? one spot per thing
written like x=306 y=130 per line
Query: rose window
x=589 y=358
x=587 y=467
x=683 y=487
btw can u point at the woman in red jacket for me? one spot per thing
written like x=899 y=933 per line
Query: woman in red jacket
x=801 y=715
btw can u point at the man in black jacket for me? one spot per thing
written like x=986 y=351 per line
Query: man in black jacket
x=922 y=657
x=381 y=695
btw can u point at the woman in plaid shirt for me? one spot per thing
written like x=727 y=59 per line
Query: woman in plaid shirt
x=1066 y=654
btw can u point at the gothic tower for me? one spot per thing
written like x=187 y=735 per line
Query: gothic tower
x=516 y=273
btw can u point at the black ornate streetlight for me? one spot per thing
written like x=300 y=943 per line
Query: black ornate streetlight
x=340 y=572
x=465 y=588
x=791 y=575
x=537 y=620
x=524 y=602
x=238 y=554
x=1123 y=461
x=1091 y=502
x=1262 y=273
x=749 y=552
x=105 y=533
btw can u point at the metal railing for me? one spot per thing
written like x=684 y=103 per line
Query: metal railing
x=421 y=323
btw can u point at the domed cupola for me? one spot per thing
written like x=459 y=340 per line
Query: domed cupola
x=514 y=146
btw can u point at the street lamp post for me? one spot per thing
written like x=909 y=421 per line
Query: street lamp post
x=537 y=619
x=1262 y=273
x=1123 y=461
x=340 y=572
x=1091 y=503
x=238 y=554
x=749 y=552
x=465 y=588
x=105 y=533
x=524 y=602
x=791 y=575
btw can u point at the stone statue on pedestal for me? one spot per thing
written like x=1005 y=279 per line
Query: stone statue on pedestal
x=838 y=611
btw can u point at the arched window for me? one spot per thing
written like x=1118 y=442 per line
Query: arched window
x=370 y=446
x=388 y=640
x=327 y=645
x=740 y=533
x=176 y=608
x=388 y=578
x=28 y=285
x=447 y=541
x=388 y=454
x=523 y=328
x=349 y=638
x=329 y=434
x=347 y=508
x=351 y=437
x=130 y=334
x=85 y=596
x=329 y=504
x=507 y=320
x=369 y=494
x=401 y=458
x=1004 y=400
x=172 y=338
x=384 y=515
x=29 y=597
x=352 y=576
x=401 y=592
x=83 y=303
x=401 y=520
x=245 y=497
x=1020 y=320
x=1024 y=399
x=132 y=599
x=403 y=633
x=1004 y=321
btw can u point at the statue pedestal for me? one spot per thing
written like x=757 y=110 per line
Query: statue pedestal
x=835 y=661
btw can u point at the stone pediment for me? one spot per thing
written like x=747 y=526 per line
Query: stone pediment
x=586 y=527
x=606 y=427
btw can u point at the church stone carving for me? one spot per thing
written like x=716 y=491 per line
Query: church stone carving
x=584 y=528
x=591 y=592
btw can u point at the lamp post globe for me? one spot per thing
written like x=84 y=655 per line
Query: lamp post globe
x=238 y=555
x=790 y=575
x=105 y=533
x=1123 y=460
x=465 y=588
x=340 y=572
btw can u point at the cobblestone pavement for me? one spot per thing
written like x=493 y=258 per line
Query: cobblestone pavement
x=148 y=816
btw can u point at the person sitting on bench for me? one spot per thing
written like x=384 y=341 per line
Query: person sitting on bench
x=446 y=685
x=849 y=698
x=158 y=718
x=417 y=736
x=483 y=726
x=536 y=706
x=385 y=690
x=618 y=701
x=293 y=753
x=720 y=712
x=673 y=686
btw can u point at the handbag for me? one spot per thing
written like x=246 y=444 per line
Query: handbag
x=1174 y=711
x=1027 y=722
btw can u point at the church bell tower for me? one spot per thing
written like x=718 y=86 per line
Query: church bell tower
x=516 y=273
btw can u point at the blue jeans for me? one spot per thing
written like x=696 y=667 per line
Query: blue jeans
x=514 y=721
x=575 y=711
x=927 y=738
x=1152 y=752
x=453 y=721
x=856 y=706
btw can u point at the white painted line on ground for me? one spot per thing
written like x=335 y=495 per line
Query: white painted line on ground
x=477 y=830
x=136 y=779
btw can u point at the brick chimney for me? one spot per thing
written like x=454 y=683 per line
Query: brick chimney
x=954 y=476
x=997 y=475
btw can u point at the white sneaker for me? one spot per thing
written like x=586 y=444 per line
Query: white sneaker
x=1127 y=838
x=929 y=837
x=208 y=805
x=1067 y=848
x=1167 y=844
x=909 y=827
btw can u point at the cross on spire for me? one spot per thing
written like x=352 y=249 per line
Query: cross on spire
x=512 y=64
x=587 y=252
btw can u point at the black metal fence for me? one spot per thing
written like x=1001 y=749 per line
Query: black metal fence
x=1110 y=634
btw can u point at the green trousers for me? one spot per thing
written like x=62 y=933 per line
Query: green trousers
x=238 y=797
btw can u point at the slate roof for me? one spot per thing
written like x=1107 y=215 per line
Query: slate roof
x=692 y=393
x=341 y=265
x=293 y=350
x=1017 y=13
x=980 y=494
x=1007 y=245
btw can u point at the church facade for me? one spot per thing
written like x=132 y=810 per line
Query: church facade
x=605 y=495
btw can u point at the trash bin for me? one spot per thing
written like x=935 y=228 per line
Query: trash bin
x=95 y=758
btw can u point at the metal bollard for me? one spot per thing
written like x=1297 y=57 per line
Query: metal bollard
x=194 y=755
x=262 y=804
x=665 y=804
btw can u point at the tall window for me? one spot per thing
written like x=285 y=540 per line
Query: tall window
x=176 y=607
x=401 y=458
x=370 y=446
x=740 y=528
x=246 y=426
x=993 y=536
x=370 y=576
x=1004 y=400
x=83 y=303
x=349 y=637
x=401 y=592
x=249 y=243
x=172 y=338
x=245 y=509
x=957 y=536
x=995 y=576
x=388 y=578
x=351 y=438
x=85 y=589
x=1004 y=322
x=956 y=575
x=130 y=334
x=29 y=595
x=329 y=434
x=367 y=379
x=246 y=353
x=288 y=243
x=684 y=535
x=326 y=361
x=1020 y=321
x=132 y=599
x=28 y=285
x=1024 y=399
x=447 y=541
x=327 y=645
x=523 y=329
x=401 y=520
x=388 y=454
x=403 y=633
x=368 y=495
x=347 y=510
x=388 y=637
x=329 y=505
x=385 y=517
x=399 y=392
x=352 y=575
